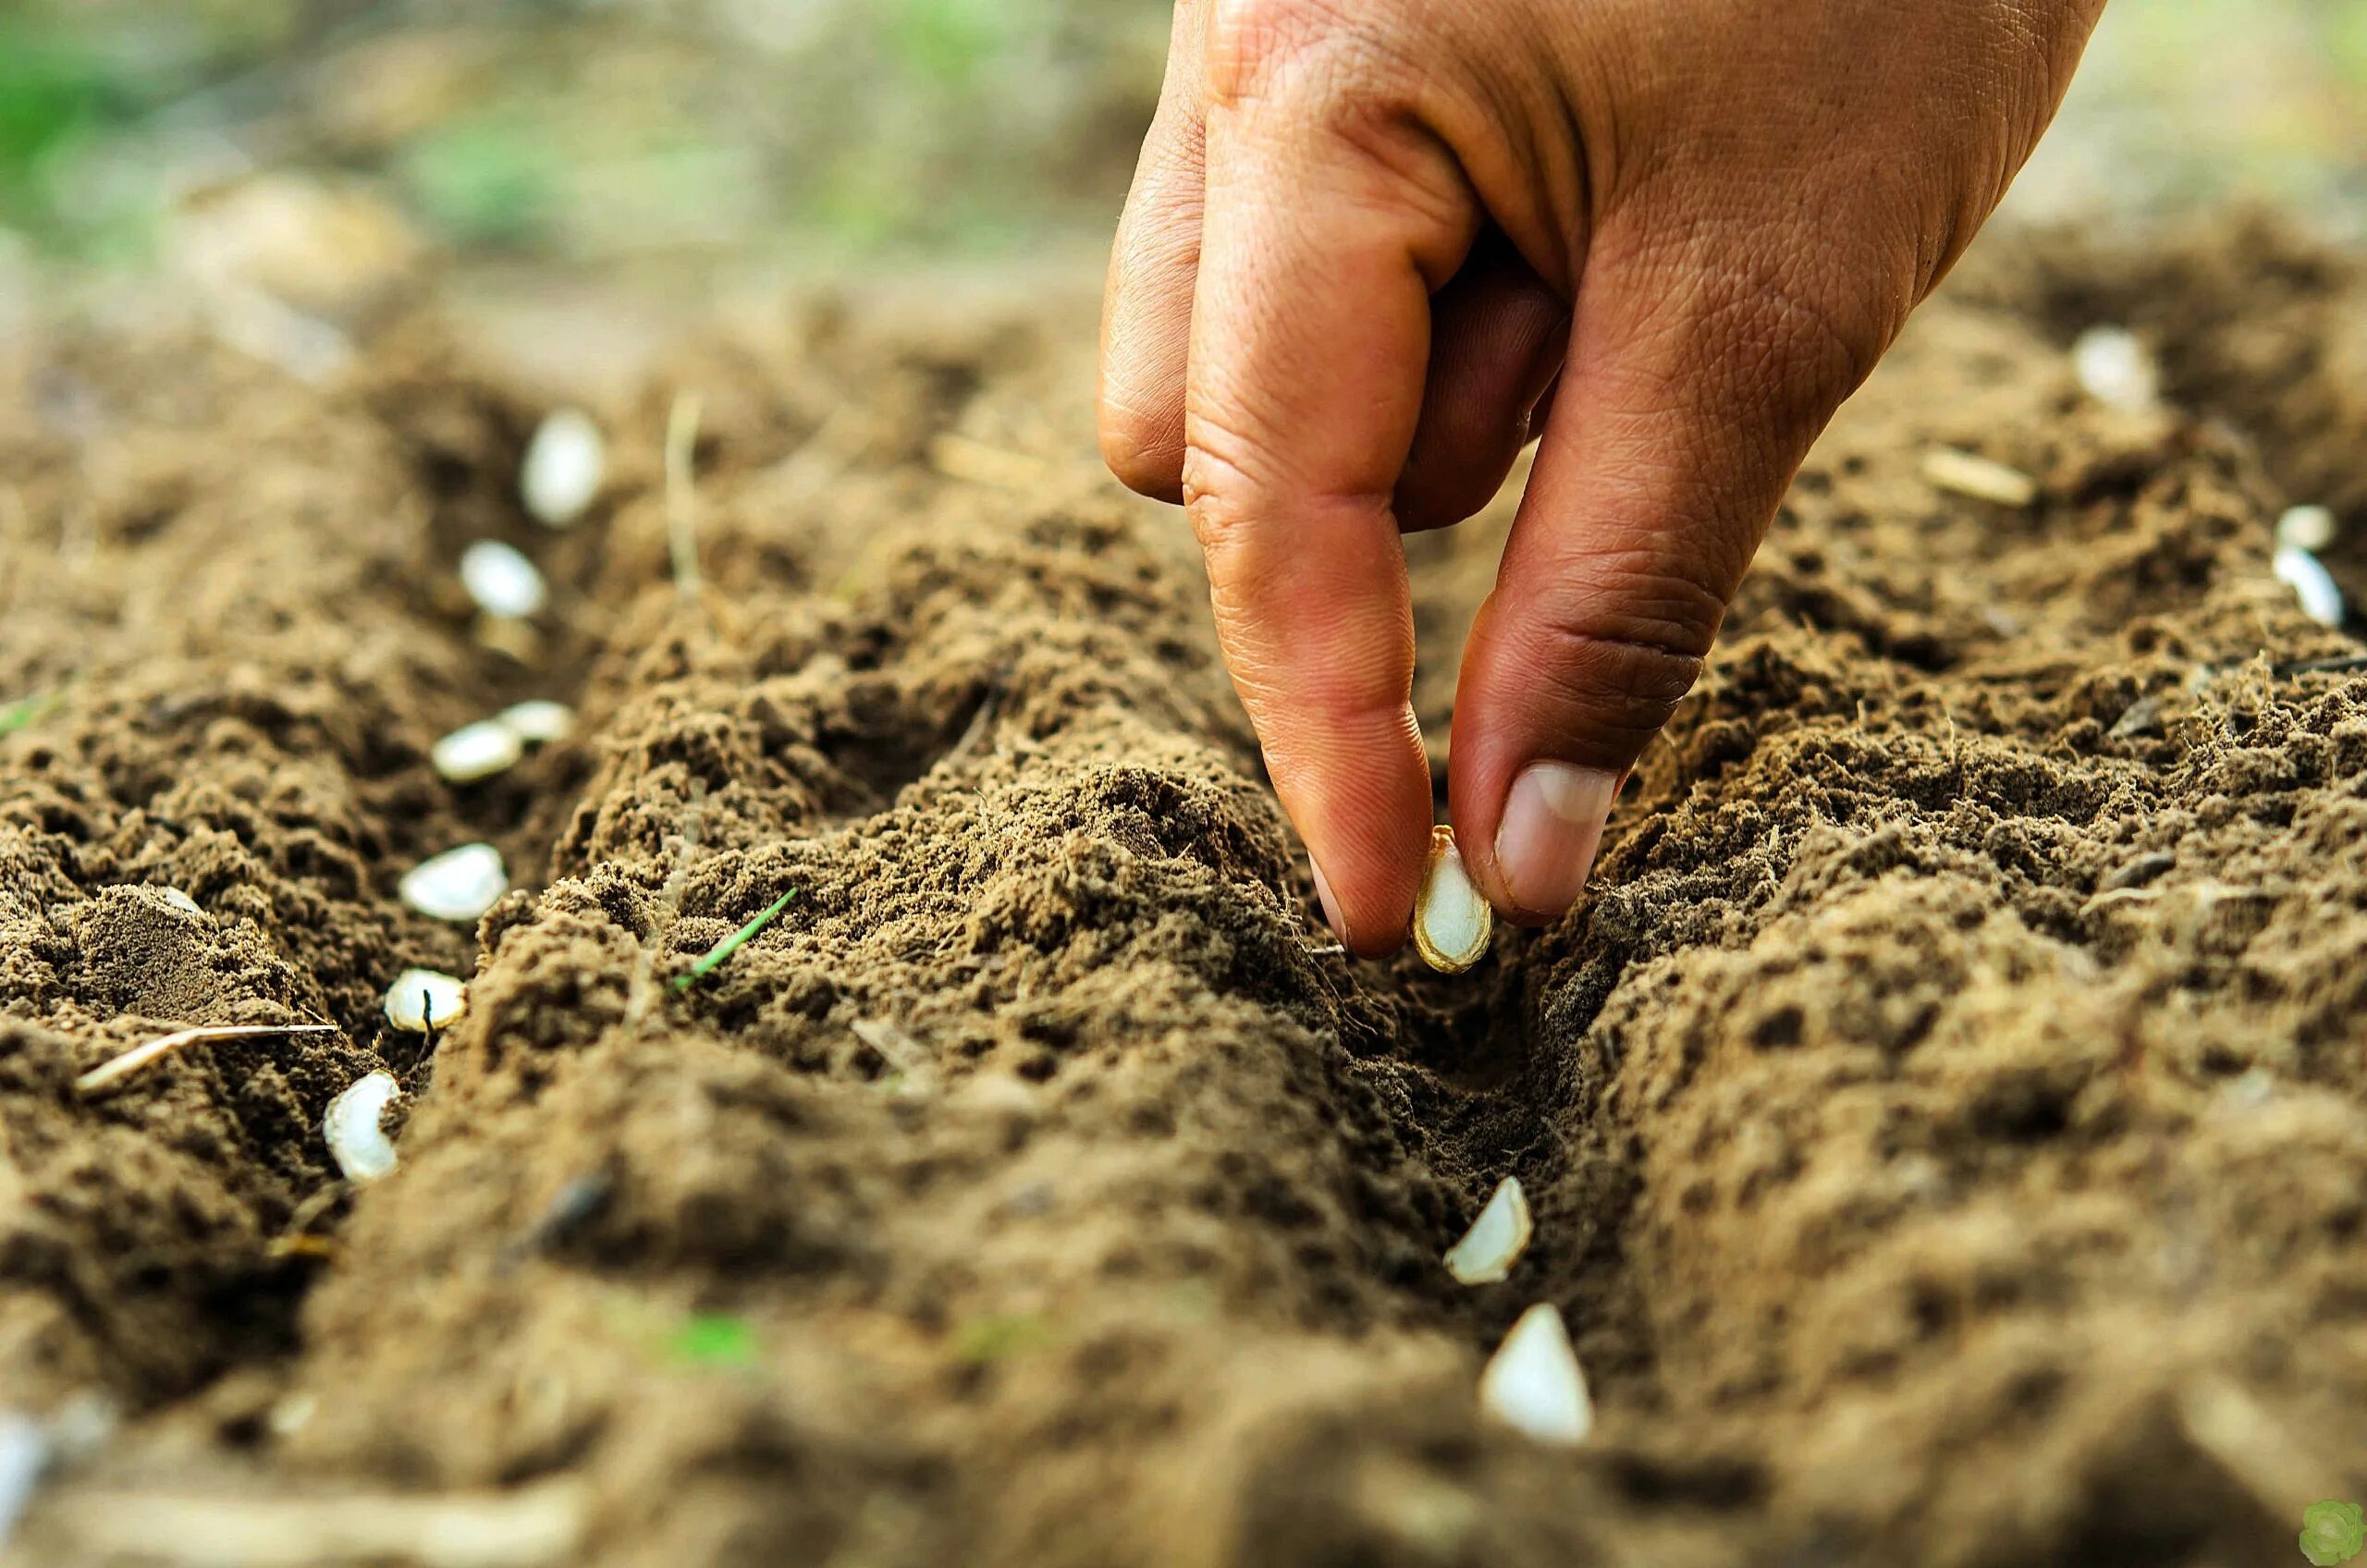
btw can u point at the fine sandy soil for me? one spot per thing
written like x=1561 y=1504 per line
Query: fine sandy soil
x=1946 y=1119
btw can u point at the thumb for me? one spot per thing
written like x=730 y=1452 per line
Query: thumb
x=1690 y=395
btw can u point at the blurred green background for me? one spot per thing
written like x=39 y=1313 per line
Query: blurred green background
x=630 y=132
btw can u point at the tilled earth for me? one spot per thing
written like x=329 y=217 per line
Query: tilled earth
x=1946 y=1118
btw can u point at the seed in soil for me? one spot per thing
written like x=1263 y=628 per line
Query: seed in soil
x=566 y=461
x=1496 y=1239
x=731 y=944
x=357 y=1142
x=179 y=900
x=538 y=722
x=502 y=581
x=2311 y=583
x=1533 y=1383
x=2307 y=528
x=476 y=751
x=2117 y=370
x=459 y=885
x=1452 y=922
x=421 y=999
x=1982 y=479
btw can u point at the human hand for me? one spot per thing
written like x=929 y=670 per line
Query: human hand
x=1373 y=249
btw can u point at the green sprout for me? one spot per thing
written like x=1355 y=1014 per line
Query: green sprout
x=1001 y=1335
x=715 y=1339
x=731 y=944
x=24 y=711
x=2332 y=1533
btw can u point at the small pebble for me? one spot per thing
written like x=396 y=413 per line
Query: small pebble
x=1983 y=479
x=477 y=750
x=502 y=581
x=459 y=885
x=2306 y=528
x=537 y=723
x=2311 y=583
x=357 y=1141
x=2117 y=370
x=565 y=464
x=420 y=999
x=1533 y=1383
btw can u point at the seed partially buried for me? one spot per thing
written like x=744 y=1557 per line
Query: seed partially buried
x=1496 y=1239
x=420 y=999
x=1451 y=920
x=459 y=885
x=564 y=466
x=352 y=1131
x=1533 y=1383
x=477 y=750
x=502 y=581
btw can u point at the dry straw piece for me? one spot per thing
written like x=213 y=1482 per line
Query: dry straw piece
x=1983 y=479
x=137 y=1056
x=1451 y=920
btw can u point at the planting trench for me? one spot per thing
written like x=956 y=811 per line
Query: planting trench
x=1946 y=1118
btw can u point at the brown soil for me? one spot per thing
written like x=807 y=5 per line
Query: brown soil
x=1946 y=1121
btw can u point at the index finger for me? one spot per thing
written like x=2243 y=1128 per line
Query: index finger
x=1310 y=343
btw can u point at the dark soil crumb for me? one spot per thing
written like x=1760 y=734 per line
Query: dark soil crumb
x=1946 y=1119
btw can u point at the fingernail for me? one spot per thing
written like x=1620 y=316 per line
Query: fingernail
x=1323 y=896
x=1552 y=827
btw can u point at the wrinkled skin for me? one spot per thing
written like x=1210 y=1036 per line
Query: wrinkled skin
x=1372 y=250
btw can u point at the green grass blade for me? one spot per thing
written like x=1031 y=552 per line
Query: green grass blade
x=24 y=710
x=731 y=944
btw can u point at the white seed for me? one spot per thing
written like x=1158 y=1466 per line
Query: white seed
x=1496 y=1239
x=1452 y=922
x=420 y=999
x=24 y=1454
x=1533 y=1383
x=502 y=581
x=357 y=1142
x=2311 y=583
x=178 y=900
x=565 y=463
x=1983 y=478
x=538 y=723
x=2117 y=370
x=477 y=750
x=459 y=885
x=2307 y=528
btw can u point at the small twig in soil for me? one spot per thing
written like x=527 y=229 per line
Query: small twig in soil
x=122 y=1067
x=731 y=944
x=2352 y=664
x=669 y=904
x=681 y=500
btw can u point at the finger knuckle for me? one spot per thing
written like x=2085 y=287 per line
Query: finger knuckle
x=1625 y=666
x=1145 y=450
x=1252 y=45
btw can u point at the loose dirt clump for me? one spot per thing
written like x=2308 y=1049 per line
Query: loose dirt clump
x=1946 y=1120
